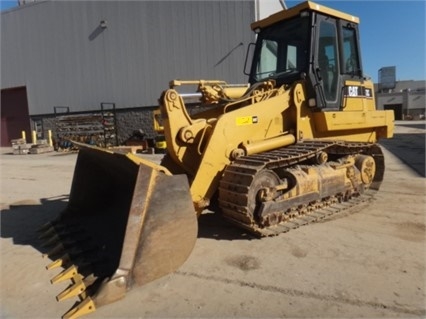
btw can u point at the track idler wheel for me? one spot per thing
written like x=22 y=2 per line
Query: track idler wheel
x=367 y=167
x=264 y=188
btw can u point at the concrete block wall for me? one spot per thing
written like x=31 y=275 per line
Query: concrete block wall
x=127 y=121
x=132 y=120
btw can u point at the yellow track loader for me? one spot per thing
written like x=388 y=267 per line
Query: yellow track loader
x=295 y=144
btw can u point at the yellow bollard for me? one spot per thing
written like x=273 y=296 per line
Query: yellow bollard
x=49 y=137
x=24 y=137
x=34 y=137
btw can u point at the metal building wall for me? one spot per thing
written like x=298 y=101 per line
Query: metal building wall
x=60 y=52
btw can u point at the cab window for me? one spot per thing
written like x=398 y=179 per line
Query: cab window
x=350 y=52
x=327 y=59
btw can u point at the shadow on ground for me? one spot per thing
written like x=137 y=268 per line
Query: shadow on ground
x=20 y=221
x=409 y=148
x=213 y=225
x=414 y=125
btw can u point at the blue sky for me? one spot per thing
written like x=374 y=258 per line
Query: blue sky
x=7 y=4
x=393 y=33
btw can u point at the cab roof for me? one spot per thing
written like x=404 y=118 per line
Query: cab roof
x=295 y=11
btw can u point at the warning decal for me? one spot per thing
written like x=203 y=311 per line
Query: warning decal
x=246 y=120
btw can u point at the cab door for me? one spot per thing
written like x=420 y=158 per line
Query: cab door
x=357 y=90
x=326 y=65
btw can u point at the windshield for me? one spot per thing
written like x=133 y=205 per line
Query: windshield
x=281 y=50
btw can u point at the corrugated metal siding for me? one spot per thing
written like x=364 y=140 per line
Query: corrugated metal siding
x=58 y=50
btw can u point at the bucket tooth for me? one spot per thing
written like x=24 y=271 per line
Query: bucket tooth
x=75 y=240
x=57 y=227
x=61 y=231
x=48 y=233
x=51 y=241
x=59 y=262
x=66 y=244
x=75 y=289
x=70 y=272
x=73 y=254
x=89 y=279
x=46 y=227
x=59 y=248
x=83 y=308
x=82 y=253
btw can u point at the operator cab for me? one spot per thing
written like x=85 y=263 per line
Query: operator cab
x=313 y=43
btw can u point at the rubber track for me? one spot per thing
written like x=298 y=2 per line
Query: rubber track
x=238 y=176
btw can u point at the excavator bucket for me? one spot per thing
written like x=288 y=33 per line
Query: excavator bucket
x=128 y=222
